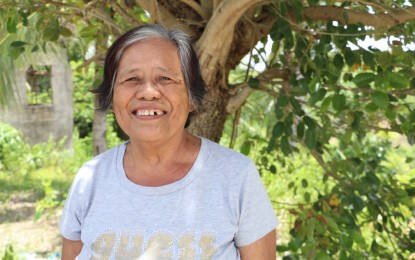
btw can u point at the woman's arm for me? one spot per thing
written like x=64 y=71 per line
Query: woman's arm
x=71 y=249
x=262 y=249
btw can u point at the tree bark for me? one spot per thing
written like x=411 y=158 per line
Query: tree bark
x=344 y=16
x=99 y=129
x=214 y=49
x=211 y=121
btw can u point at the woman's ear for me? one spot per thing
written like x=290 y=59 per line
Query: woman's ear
x=191 y=107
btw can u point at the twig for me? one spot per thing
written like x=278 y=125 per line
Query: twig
x=238 y=111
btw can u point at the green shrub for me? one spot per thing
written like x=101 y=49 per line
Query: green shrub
x=37 y=169
x=9 y=253
x=14 y=151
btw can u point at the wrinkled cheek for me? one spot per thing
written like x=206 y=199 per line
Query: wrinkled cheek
x=120 y=119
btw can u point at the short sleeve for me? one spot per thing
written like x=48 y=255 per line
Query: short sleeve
x=71 y=220
x=257 y=217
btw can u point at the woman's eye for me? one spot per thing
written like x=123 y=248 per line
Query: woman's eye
x=164 y=78
x=133 y=79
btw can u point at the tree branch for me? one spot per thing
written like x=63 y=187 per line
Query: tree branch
x=244 y=91
x=214 y=53
x=405 y=91
x=97 y=58
x=342 y=15
x=320 y=161
x=160 y=14
x=199 y=10
x=126 y=15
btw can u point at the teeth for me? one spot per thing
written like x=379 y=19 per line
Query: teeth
x=149 y=112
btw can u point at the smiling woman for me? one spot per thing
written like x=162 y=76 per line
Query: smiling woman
x=151 y=82
x=164 y=194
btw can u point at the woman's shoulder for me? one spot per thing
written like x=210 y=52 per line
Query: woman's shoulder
x=223 y=150
x=224 y=155
x=99 y=165
x=105 y=157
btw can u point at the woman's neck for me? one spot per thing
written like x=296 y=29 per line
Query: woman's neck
x=156 y=164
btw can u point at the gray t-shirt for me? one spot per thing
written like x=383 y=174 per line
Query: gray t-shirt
x=218 y=206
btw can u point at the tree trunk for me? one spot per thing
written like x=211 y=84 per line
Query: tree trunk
x=99 y=129
x=211 y=121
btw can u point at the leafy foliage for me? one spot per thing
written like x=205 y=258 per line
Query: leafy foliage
x=38 y=168
x=325 y=121
x=9 y=253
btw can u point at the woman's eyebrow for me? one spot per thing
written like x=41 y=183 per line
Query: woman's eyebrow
x=127 y=71
x=170 y=71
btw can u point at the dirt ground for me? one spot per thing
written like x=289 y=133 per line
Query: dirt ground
x=31 y=239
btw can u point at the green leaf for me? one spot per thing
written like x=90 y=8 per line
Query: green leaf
x=18 y=44
x=331 y=223
x=358 y=203
x=364 y=79
x=280 y=29
x=24 y=15
x=253 y=82
x=304 y=183
x=282 y=100
x=296 y=106
x=246 y=147
x=310 y=225
x=309 y=122
x=384 y=59
x=333 y=70
x=339 y=102
x=343 y=255
x=15 y=52
x=278 y=130
x=65 y=31
x=298 y=91
x=11 y=25
x=311 y=138
x=51 y=34
x=307 y=196
x=88 y=32
x=347 y=77
x=381 y=99
x=326 y=103
x=338 y=61
x=273 y=169
x=406 y=127
x=256 y=58
x=346 y=241
x=288 y=130
x=371 y=107
x=322 y=255
x=285 y=145
x=279 y=112
x=368 y=58
x=382 y=81
x=371 y=178
x=271 y=145
x=412 y=83
x=313 y=85
x=358 y=239
x=398 y=81
x=35 y=48
x=349 y=57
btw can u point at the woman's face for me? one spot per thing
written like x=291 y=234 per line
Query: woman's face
x=150 y=99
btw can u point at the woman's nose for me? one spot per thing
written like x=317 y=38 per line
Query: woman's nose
x=148 y=90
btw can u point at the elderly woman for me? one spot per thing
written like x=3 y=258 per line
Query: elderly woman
x=165 y=193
